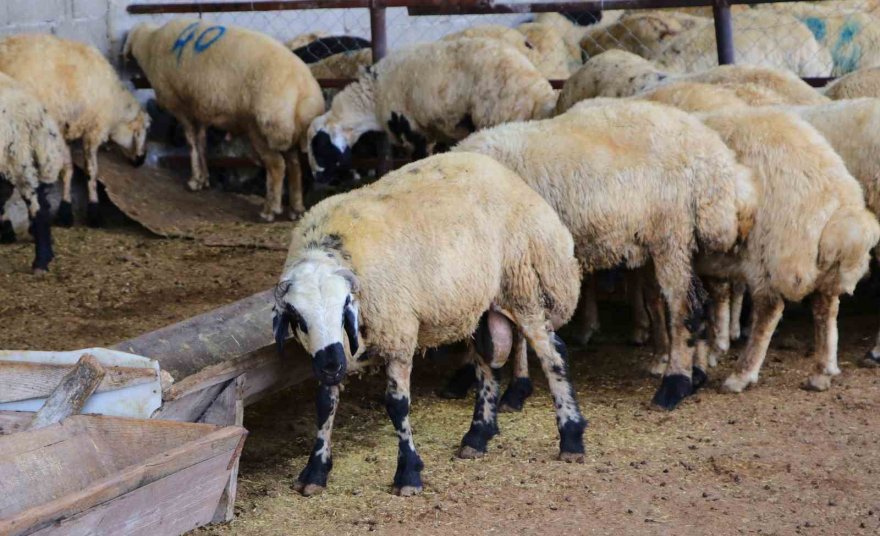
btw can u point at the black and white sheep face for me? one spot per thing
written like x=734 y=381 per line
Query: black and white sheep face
x=316 y=300
x=329 y=151
x=131 y=137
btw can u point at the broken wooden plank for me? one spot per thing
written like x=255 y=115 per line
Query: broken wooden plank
x=71 y=394
x=22 y=380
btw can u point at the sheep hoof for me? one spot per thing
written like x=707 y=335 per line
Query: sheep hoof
x=582 y=339
x=673 y=389
x=817 y=382
x=515 y=396
x=470 y=453
x=658 y=367
x=7 y=233
x=295 y=214
x=307 y=490
x=870 y=360
x=93 y=215
x=640 y=336
x=407 y=491
x=40 y=272
x=572 y=457
x=736 y=384
x=195 y=185
x=64 y=218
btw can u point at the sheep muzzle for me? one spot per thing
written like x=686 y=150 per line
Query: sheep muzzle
x=329 y=364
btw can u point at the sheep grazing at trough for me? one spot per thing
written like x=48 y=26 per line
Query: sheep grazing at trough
x=84 y=95
x=34 y=154
x=370 y=280
x=812 y=234
x=467 y=85
x=622 y=74
x=237 y=80
x=862 y=83
x=639 y=185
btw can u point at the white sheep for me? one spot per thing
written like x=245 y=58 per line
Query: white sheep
x=617 y=73
x=237 y=80
x=84 y=95
x=430 y=93
x=559 y=56
x=548 y=62
x=861 y=83
x=428 y=255
x=812 y=233
x=32 y=156
x=637 y=184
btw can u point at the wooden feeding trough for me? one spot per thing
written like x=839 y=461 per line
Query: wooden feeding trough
x=110 y=475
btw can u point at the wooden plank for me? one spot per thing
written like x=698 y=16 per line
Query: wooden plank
x=222 y=441
x=21 y=380
x=171 y=505
x=190 y=407
x=71 y=394
x=228 y=408
x=14 y=421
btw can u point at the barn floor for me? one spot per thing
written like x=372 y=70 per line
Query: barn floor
x=776 y=460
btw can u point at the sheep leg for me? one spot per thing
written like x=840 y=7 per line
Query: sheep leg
x=313 y=479
x=93 y=212
x=825 y=308
x=484 y=425
x=719 y=341
x=586 y=322
x=553 y=355
x=659 y=330
x=520 y=387
x=40 y=220
x=274 y=163
x=641 y=319
x=407 y=478
x=294 y=184
x=65 y=209
x=195 y=137
x=872 y=358
x=738 y=291
x=461 y=380
x=7 y=233
x=766 y=312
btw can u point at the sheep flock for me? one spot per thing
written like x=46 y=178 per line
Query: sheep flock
x=707 y=187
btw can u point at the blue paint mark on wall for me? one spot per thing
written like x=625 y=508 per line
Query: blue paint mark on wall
x=817 y=26
x=206 y=38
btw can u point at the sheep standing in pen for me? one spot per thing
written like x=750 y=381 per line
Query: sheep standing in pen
x=430 y=254
x=239 y=81
x=637 y=184
x=84 y=95
x=812 y=234
x=430 y=93
x=622 y=74
x=32 y=157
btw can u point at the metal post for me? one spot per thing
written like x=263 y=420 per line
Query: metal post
x=723 y=32
x=379 y=39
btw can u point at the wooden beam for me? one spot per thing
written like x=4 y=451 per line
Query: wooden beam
x=71 y=394
x=21 y=380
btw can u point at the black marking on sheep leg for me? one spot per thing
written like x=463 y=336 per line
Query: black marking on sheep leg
x=64 y=218
x=569 y=420
x=460 y=383
x=484 y=425
x=407 y=477
x=673 y=389
x=40 y=229
x=520 y=387
x=698 y=378
x=313 y=478
x=7 y=233
x=93 y=215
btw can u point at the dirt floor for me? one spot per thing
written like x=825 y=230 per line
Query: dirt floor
x=775 y=460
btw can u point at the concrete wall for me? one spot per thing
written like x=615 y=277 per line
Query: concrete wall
x=83 y=20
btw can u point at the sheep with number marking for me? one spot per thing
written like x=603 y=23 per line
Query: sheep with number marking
x=84 y=95
x=428 y=255
x=427 y=94
x=638 y=184
x=33 y=154
x=237 y=80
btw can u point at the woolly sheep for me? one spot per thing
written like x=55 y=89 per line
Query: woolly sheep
x=559 y=56
x=812 y=233
x=370 y=279
x=430 y=93
x=862 y=83
x=617 y=73
x=33 y=155
x=634 y=182
x=84 y=95
x=239 y=81
x=342 y=65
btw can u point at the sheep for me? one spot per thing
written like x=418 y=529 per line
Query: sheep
x=559 y=56
x=637 y=184
x=643 y=32
x=239 y=81
x=812 y=233
x=430 y=93
x=617 y=73
x=342 y=65
x=370 y=279
x=861 y=83
x=304 y=39
x=34 y=154
x=852 y=37
x=85 y=97
x=550 y=60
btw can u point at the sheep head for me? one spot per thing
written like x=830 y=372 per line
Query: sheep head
x=130 y=134
x=318 y=299
x=329 y=150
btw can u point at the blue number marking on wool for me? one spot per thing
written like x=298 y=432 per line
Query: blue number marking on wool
x=817 y=26
x=201 y=45
x=845 y=52
x=183 y=39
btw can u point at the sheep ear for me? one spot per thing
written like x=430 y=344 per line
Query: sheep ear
x=350 y=322
x=281 y=327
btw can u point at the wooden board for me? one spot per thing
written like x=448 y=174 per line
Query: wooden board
x=23 y=380
x=85 y=461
